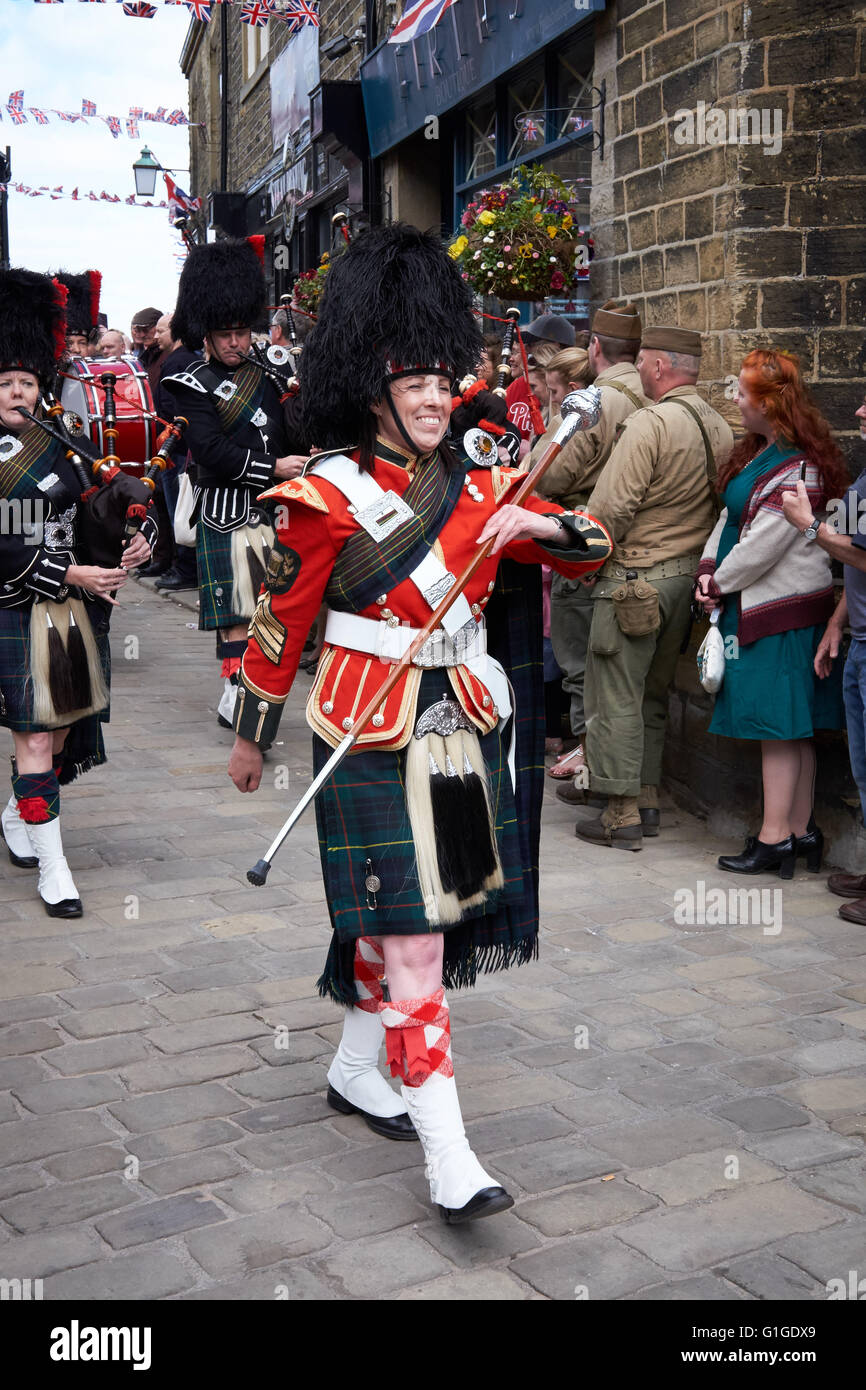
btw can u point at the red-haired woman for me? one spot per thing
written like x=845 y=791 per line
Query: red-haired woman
x=775 y=588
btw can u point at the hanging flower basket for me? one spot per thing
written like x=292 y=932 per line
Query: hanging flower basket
x=308 y=287
x=521 y=239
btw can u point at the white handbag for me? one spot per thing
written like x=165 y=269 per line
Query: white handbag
x=184 y=531
x=711 y=656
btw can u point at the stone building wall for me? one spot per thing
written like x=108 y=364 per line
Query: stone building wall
x=752 y=248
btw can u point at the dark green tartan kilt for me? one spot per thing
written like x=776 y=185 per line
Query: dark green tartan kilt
x=361 y=815
x=84 y=747
x=213 y=557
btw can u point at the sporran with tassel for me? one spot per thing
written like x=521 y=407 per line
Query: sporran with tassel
x=65 y=668
x=451 y=814
x=251 y=546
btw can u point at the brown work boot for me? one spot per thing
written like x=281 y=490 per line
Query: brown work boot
x=854 y=912
x=847 y=885
x=648 y=805
x=619 y=826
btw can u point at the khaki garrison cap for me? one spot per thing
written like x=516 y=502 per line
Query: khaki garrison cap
x=672 y=340
x=614 y=320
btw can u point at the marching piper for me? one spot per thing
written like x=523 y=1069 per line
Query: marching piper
x=429 y=877
x=236 y=434
x=54 y=603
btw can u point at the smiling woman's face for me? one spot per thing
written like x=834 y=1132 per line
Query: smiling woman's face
x=423 y=404
x=17 y=388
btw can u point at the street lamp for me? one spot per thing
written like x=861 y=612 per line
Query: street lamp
x=145 y=170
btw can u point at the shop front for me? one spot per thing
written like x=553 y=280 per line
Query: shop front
x=497 y=85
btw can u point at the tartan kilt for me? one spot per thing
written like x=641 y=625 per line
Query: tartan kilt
x=361 y=814
x=213 y=556
x=84 y=747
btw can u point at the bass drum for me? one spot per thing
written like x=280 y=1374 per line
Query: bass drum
x=83 y=395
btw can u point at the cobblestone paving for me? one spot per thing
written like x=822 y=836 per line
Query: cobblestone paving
x=678 y=1109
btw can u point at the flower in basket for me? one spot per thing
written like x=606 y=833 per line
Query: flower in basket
x=308 y=287
x=520 y=240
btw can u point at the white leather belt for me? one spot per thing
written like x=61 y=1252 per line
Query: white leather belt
x=390 y=643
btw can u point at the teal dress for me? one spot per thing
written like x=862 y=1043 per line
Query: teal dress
x=770 y=688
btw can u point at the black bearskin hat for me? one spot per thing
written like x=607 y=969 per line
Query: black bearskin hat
x=393 y=302
x=222 y=285
x=32 y=323
x=82 y=306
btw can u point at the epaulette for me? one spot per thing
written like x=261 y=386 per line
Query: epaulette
x=297 y=490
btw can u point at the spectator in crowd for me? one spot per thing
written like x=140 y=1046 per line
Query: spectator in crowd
x=113 y=344
x=143 y=330
x=844 y=541
x=550 y=330
x=569 y=370
x=491 y=353
x=610 y=359
x=656 y=495
x=174 y=358
x=280 y=330
x=775 y=590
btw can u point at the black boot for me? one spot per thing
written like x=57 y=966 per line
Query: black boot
x=811 y=845
x=759 y=858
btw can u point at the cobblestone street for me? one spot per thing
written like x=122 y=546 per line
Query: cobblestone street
x=678 y=1110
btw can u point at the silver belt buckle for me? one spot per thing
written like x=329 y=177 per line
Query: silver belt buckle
x=440 y=649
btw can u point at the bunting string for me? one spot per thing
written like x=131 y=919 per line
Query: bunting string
x=295 y=13
x=16 y=113
x=77 y=195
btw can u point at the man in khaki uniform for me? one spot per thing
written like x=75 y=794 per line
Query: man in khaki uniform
x=613 y=347
x=656 y=496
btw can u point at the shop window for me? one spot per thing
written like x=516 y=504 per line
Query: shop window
x=480 y=140
x=574 y=97
x=526 y=115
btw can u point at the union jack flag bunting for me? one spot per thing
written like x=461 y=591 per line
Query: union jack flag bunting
x=419 y=17
x=136 y=112
x=177 y=117
x=301 y=12
x=140 y=11
x=113 y=124
x=199 y=9
x=39 y=116
x=256 y=12
x=132 y=128
x=18 y=117
x=160 y=114
x=16 y=101
x=88 y=108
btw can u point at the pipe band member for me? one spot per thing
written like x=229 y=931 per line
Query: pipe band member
x=236 y=434
x=428 y=848
x=54 y=603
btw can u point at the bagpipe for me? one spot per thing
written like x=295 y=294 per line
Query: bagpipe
x=278 y=364
x=114 y=504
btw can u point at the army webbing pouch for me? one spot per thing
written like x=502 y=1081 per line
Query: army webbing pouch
x=636 y=606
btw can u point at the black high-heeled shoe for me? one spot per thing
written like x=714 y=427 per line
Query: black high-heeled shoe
x=759 y=858
x=811 y=845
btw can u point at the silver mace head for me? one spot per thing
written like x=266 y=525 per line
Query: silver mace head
x=580 y=410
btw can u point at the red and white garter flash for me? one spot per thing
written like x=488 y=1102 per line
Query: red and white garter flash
x=369 y=969
x=418 y=1037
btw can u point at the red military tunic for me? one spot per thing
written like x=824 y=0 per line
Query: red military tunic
x=313 y=522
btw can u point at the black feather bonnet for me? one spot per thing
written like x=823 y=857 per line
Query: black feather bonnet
x=393 y=303
x=222 y=285
x=32 y=323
